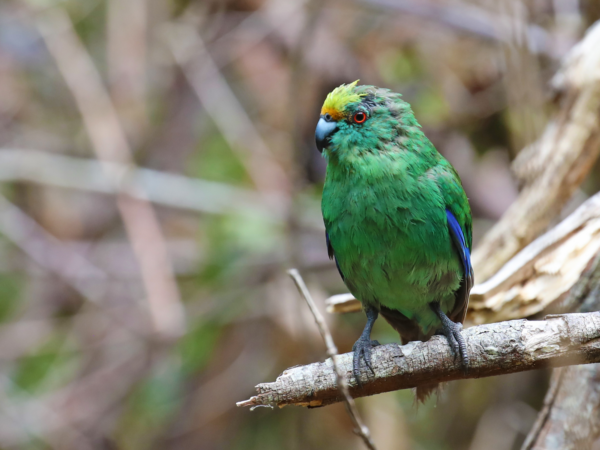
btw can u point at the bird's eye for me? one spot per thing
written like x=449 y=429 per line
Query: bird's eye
x=327 y=117
x=359 y=117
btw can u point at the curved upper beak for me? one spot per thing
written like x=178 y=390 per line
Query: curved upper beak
x=323 y=133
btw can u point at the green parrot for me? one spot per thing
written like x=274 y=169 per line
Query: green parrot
x=397 y=220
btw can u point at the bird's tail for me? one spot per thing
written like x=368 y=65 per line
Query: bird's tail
x=422 y=393
x=410 y=331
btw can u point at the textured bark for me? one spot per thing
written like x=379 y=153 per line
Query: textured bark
x=544 y=273
x=571 y=412
x=569 y=420
x=494 y=349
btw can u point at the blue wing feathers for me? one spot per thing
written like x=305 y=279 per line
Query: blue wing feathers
x=460 y=243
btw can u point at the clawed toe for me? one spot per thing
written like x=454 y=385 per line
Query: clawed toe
x=459 y=347
x=452 y=331
x=362 y=348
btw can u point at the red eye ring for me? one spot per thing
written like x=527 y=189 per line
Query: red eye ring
x=359 y=117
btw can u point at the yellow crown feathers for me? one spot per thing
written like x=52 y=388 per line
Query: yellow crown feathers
x=336 y=100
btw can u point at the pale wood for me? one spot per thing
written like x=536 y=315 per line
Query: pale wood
x=543 y=273
x=551 y=169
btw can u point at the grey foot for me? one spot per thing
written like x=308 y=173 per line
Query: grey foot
x=363 y=348
x=452 y=331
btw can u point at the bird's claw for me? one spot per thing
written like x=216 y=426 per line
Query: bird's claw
x=452 y=331
x=363 y=348
x=457 y=344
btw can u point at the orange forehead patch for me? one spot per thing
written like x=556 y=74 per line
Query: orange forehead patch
x=334 y=113
x=337 y=100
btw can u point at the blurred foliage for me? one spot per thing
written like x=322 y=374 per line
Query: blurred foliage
x=79 y=375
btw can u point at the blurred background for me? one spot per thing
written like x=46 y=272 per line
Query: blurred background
x=159 y=176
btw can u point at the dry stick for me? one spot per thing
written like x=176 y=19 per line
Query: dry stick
x=569 y=418
x=543 y=415
x=494 y=349
x=111 y=146
x=126 y=52
x=340 y=377
x=162 y=188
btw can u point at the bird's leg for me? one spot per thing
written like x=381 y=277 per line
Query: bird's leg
x=364 y=344
x=452 y=331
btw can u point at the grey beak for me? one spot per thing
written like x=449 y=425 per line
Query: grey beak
x=323 y=133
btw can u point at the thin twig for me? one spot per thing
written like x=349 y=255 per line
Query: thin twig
x=361 y=428
x=555 y=382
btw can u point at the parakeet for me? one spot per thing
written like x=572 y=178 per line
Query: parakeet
x=397 y=220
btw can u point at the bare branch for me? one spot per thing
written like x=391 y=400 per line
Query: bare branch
x=569 y=418
x=110 y=143
x=340 y=376
x=342 y=304
x=542 y=274
x=167 y=189
x=494 y=349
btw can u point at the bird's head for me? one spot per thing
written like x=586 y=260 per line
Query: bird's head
x=357 y=119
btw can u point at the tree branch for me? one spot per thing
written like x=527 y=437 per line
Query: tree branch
x=569 y=420
x=494 y=349
x=162 y=188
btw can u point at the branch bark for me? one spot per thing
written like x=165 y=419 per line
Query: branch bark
x=494 y=349
x=569 y=418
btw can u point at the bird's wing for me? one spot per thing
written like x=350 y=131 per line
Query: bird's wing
x=458 y=215
x=332 y=255
x=460 y=245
